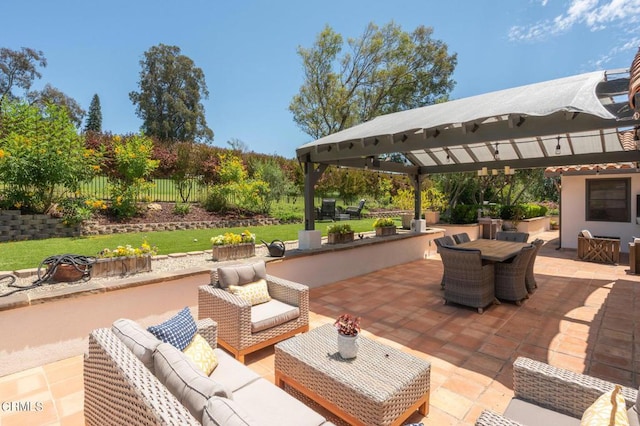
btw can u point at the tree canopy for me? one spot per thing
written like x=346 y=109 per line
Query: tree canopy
x=94 y=119
x=51 y=95
x=171 y=87
x=19 y=69
x=385 y=70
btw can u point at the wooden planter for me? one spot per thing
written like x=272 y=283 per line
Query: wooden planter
x=120 y=266
x=384 y=231
x=340 y=238
x=235 y=251
x=65 y=273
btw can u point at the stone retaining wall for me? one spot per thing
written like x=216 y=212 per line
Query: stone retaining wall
x=19 y=227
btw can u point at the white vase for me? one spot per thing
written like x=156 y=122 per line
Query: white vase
x=347 y=346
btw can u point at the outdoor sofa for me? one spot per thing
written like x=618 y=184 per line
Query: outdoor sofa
x=131 y=378
x=547 y=395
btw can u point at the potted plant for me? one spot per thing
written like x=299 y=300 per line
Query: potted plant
x=230 y=246
x=384 y=226
x=554 y=225
x=348 y=327
x=339 y=233
x=123 y=260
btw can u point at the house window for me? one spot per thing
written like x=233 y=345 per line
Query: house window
x=609 y=200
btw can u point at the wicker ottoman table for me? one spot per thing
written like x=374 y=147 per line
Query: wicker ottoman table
x=381 y=386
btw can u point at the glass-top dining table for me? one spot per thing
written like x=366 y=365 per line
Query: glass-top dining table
x=494 y=250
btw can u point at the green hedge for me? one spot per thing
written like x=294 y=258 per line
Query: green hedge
x=522 y=211
x=464 y=213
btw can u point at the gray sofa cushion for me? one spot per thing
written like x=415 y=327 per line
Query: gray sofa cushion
x=232 y=373
x=274 y=407
x=270 y=314
x=532 y=415
x=241 y=274
x=225 y=412
x=137 y=339
x=185 y=380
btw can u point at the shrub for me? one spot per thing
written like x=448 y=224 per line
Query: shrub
x=41 y=153
x=216 y=200
x=181 y=209
x=464 y=213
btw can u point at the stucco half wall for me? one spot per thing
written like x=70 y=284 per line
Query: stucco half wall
x=331 y=264
x=574 y=205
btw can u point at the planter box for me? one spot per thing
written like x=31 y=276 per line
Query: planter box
x=65 y=273
x=406 y=220
x=232 y=252
x=431 y=217
x=340 y=238
x=384 y=231
x=120 y=266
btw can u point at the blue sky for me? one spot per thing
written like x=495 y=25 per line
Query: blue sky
x=247 y=49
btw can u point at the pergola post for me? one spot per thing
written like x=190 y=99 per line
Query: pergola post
x=418 y=224
x=309 y=238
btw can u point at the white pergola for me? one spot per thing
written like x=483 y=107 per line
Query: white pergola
x=587 y=116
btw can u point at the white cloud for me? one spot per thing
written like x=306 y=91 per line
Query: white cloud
x=630 y=45
x=595 y=15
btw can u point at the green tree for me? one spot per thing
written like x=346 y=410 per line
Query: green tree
x=19 y=69
x=171 y=87
x=386 y=70
x=94 y=119
x=41 y=156
x=52 y=95
x=130 y=173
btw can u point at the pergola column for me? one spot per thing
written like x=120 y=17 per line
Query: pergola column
x=309 y=238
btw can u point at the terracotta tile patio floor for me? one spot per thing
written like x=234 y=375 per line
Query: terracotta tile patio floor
x=584 y=317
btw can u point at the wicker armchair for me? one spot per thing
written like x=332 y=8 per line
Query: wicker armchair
x=517 y=237
x=530 y=279
x=355 y=211
x=550 y=394
x=510 y=277
x=234 y=315
x=466 y=280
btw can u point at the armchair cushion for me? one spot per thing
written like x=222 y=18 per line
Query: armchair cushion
x=241 y=274
x=137 y=339
x=586 y=233
x=185 y=380
x=178 y=330
x=223 y=411
x=527 y=413
x=271 y=314
x=609 y=409
x=202 y=355
x=254 y=293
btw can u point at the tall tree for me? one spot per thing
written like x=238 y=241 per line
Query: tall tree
x=51 y=95
x=386 y=70
x=94 y=119
x=171 y=87
x=19 y=69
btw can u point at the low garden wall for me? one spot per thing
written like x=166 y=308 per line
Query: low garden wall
x=19 y=227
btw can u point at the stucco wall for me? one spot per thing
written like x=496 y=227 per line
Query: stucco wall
x=573 y=212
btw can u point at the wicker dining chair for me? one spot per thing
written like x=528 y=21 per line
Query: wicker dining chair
x=462 y=237
x=443 y=241
x=530 y=279
x=466 y=280
x=517 y=237
x=510 y=277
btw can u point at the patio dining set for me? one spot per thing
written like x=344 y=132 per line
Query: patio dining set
x=483 y=272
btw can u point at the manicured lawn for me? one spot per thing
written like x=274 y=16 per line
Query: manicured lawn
x=29 y=254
